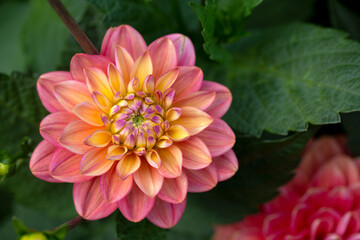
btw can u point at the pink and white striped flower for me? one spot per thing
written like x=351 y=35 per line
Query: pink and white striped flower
x=321 y=202
x=134 y=128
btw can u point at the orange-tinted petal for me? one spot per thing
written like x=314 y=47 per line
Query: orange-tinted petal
x=99 y=138
x=97 y=80
x=226 y=165
x=218 y=137
x=53 y=124
x=80 y=61
x=94 y=162
x=116 y=152
x=136 y=205
x=128 y=165
x=200 y=99
x=163 y=55
x=71 y=93
x=112 y=187
x=196 y=155
x=142 y=67
x=74 y=135
x=89 y=202
x=148 y=179
x=174 y=189
x=202 y=180
x=45 y=87
x=188 y=81
x=153 y=158
x=166 y=215
x=171 y=161
x=124 y=62
x=116 y=80
x=65 y=166
x=222 y=100
x=40 y=161
x=177 y=133
x=166 y=80
x=194 y=120
x=90 y=114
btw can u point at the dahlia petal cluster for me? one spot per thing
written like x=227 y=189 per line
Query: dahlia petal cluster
x=134 y=128
x=322 y=201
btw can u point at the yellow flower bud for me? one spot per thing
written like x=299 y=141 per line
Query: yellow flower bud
x=34 y=236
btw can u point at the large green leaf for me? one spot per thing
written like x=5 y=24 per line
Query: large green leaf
x=44 y=34
x=11 y=55
x=264 y=165
x=20 y=109
x=284 y=78
x=143 y=230
x=223 y=22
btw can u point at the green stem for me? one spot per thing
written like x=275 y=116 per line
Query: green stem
x=74 y=28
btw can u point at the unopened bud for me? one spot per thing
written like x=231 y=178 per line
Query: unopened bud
x=4 y=169
x=34 y=236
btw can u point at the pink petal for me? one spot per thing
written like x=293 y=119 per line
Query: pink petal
x=148 y=179
x=226 y=165
x=45 y=88
x=166 y=215
x=81 y=61
x=201 y=100
x=53 y=124
x=124 y=62
x=196 y=155
x=65 y=166
x=89 y=202
x=171 y=161
x=40 y=161
x=222 y=100
x=74 y=135
x=71 y=93
x=136 y=205
x=184 y=49
x=112 y=187
x=95 y=163
x=202 y=180
x=174 y=189
x=163 y=56
x=125 y=36
x=218 y=137
x=188 y=81
x=349 y=223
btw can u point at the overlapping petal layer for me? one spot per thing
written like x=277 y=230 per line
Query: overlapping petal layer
x=134 y=128
x=322 y=201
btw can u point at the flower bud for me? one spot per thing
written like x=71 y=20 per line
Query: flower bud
x=4 y=169
x=34 y=236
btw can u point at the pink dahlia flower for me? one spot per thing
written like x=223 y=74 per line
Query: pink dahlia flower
x=134 y=128
x=321 y=202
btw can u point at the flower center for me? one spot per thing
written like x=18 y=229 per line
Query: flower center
x=138 y=120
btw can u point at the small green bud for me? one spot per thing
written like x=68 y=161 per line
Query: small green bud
x=4 y=169
x=34 y=236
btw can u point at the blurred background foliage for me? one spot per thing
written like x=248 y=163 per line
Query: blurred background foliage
x=286 y=77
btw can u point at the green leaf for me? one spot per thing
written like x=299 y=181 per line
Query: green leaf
x=20 y=109
x=151 y=18
x=264 y=165
x=266 y=15
x=223 y=22
x=12 y=55
x=143 y=230
x=44 y=34
x=284 y=78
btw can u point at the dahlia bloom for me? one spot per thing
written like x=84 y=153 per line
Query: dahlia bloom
x=321 y=202
x=134 y=128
